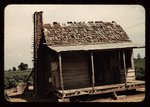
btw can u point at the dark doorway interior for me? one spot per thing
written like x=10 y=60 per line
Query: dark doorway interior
x=99 y=68
x=106 y=67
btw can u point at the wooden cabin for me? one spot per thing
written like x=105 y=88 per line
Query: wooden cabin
x=79 y=58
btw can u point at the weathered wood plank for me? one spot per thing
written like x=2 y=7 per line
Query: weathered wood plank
x=129 y=79
x=61 y=78
x=70 y=81
x=124 y=66
x=130 y=74
x=93 y=76
x=75 y=70
x=77 y=74
x=103 y=89
x=131 y=70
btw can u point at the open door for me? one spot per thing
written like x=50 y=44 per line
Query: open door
x=99 y=68
x=106 y=68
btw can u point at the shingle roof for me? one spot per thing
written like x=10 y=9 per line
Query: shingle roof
x=109 y=46
x=81 y=33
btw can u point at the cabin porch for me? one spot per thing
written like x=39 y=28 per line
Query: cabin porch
x=100 y=89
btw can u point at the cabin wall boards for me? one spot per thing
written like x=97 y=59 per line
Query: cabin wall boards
x=75 y=70
x=108 y=68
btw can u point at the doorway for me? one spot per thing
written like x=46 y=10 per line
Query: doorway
x=106 y=67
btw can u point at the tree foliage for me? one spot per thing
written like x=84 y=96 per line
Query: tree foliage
x=23 y=66
x=14 y=68
x=140 y=67
x=138 y=56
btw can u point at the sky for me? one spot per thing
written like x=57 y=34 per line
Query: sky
x=18 y=25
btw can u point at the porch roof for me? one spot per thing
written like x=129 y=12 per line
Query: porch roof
x=97 y=47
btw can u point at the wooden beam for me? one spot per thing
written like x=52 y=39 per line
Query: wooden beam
x=93 y=78
x=61 y=78
x=132 y=60
x=125 y=70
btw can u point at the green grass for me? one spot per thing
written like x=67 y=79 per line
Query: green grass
x=12 y=78
x=11 y=73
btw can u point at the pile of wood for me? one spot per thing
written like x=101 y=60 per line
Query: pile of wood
x=81 y=33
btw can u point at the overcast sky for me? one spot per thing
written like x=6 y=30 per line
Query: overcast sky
x=19 y=25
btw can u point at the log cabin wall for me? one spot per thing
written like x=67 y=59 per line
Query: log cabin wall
x=75 y=70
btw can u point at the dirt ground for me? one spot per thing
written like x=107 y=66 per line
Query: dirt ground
x=137 y=95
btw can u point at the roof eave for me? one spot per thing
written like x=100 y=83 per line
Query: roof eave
x=97 y=47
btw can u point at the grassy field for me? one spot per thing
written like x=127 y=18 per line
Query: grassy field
x=12 y=73
x=12 y=78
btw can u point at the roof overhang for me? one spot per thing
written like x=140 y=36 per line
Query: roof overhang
x=98 y=47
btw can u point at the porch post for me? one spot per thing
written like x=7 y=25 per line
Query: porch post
x=61 y=78
x=124 y=66
x=132 y=60
x=93 y=78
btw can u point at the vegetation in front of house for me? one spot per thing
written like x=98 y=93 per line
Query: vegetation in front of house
x=140 y=67
x=12 y=78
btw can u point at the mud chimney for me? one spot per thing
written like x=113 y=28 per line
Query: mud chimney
x=38 y=27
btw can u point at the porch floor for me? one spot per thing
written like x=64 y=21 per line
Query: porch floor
x=100 y=89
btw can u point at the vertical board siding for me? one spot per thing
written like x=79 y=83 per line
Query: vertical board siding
x=75 y=70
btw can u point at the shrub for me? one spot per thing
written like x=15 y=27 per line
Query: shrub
x=140 y=74
x=12 y=83
x=140 y=68
x=12 y=79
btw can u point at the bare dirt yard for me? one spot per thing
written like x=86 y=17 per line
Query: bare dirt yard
x=137 y=95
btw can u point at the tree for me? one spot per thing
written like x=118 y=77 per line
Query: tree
x=138 y=56
x=140 y=67
x=14 y=68
x=23 y=66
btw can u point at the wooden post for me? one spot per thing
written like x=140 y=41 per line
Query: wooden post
x=125 y=71
x=61 y=78
x=132 y=60
x=93 y=78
